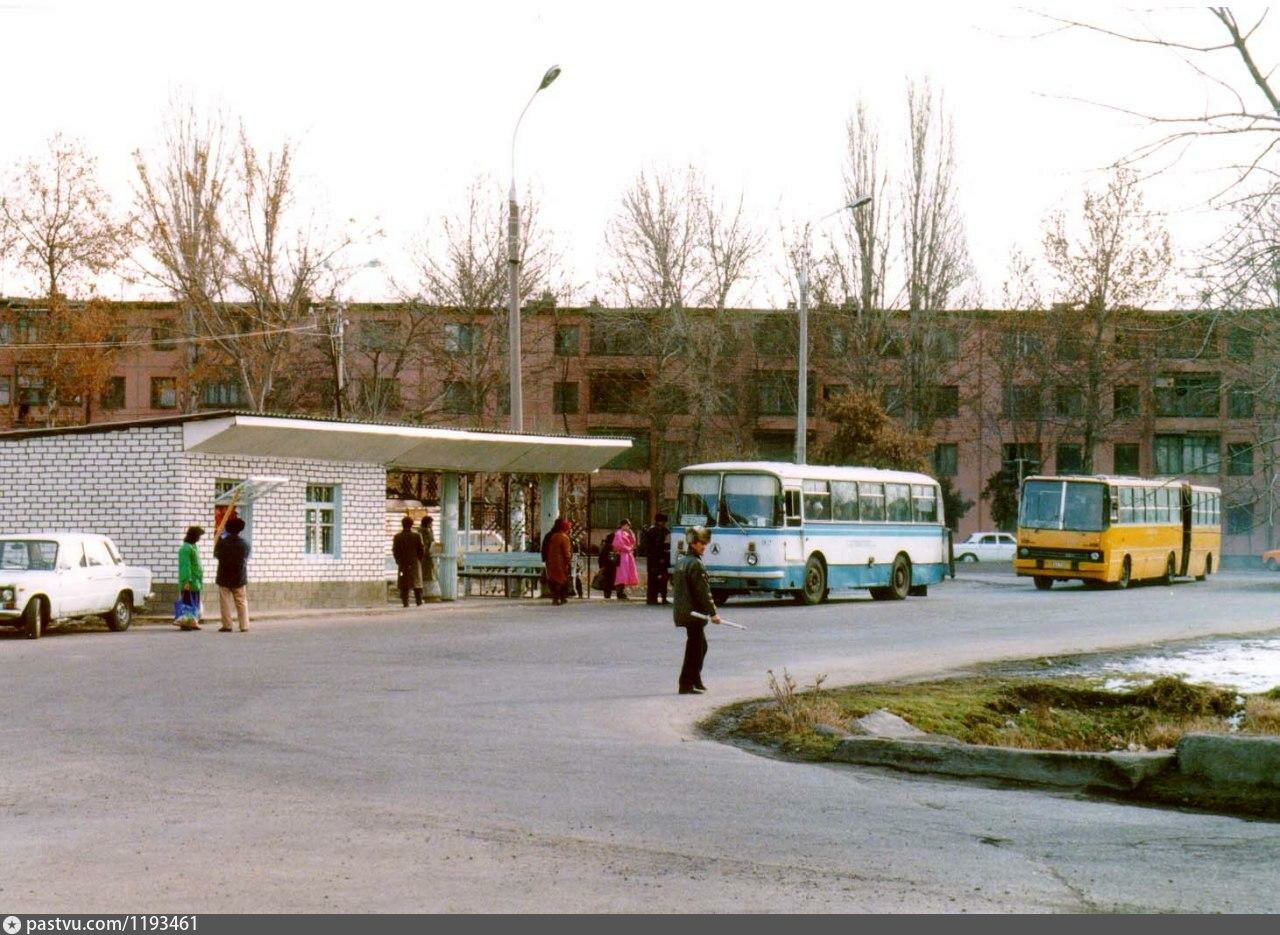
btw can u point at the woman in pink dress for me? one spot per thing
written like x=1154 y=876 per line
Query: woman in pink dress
x=624 y=544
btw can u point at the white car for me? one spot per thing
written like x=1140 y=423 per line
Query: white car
x=986 y=547
x=47 y=577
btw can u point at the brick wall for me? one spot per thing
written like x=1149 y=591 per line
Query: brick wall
x=140 y=488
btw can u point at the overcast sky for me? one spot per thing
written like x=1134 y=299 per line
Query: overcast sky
x=398 y=106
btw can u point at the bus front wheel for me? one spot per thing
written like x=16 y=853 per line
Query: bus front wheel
x=814 y=590
x=1043 y=582
x=1208 y=568
x=1126 y=572
x=1169 y=572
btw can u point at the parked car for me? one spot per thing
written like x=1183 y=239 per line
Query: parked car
x=1271 y=560
x=48 y=577
x=986 y=547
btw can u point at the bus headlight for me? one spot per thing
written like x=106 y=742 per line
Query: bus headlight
x=752 y=557
x=1095 y=556
x=1023 y=552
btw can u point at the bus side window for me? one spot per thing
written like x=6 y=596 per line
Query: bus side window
x=925 y=500
x=871 y=502
x=792 y=505
x=1115 y=504
x=1126 y=504
x=844 y=500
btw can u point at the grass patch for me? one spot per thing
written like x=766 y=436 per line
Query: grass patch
x=1045 y=714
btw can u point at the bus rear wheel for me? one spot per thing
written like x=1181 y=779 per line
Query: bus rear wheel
x=1043 y=582
x=814 y=590
x=1169 y=572
x=1126 y=573
x=1208 y=568
x=899 y=582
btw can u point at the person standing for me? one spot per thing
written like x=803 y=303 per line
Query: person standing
x=559 y=556
x=608 y=565
x=692 y=593
x=428 y=560
x=657 y=554
x=406 y=548
x=190 y=575
x=232 y=553
x=625 y=574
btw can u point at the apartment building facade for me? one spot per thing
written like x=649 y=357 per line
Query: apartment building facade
x=1173 y=393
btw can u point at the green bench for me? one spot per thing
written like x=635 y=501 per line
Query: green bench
x=522 y=567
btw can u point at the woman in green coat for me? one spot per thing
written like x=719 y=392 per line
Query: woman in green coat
x=190 y=575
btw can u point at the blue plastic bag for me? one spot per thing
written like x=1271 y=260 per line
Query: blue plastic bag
x=186 y=609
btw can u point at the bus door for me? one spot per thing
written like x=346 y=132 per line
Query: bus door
x=792 y=542
x=1187 y=501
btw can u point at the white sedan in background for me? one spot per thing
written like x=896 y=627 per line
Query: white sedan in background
x=986 y=547
x=47 y=577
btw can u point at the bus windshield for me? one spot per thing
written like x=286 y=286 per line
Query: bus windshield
x=699 y=499
x=752 y=500
x=1055 y=504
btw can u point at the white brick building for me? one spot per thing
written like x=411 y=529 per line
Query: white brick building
x=143 y=483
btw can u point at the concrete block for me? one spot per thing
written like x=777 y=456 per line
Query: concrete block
x=884 y=723
x=1231 y=759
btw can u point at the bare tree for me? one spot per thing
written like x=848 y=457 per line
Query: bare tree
x=62 y=231
x=1118 y=262
x=228 y=239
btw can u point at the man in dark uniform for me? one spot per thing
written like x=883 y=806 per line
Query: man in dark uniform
x=657 y=555
x=693 y=593
x=407 y=550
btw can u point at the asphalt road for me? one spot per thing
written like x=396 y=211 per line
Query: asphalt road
x=496 y=755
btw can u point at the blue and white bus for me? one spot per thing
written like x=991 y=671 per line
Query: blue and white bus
x=805 y=529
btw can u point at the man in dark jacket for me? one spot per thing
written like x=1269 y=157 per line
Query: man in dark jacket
x=232 y=554
x=407 y=550
x=657 y=560
x=693 y=593
x=608 y=565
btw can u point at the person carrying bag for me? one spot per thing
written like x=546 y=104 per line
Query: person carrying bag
x=186 y=609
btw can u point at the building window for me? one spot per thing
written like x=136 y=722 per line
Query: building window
x=1067 y=348
x=1015 y=344
x=379 y=393
x=164 y=393
x=1188 y=395
x=215 y=395
x=775 y=336
x=833 y=391
x=1125 y=460
x=619 y=392
x=1068 y=459
x=568 y=340
x=31 y=387
x=776 y=392
x=163 y=331
x=1126 y=402
x=1239 y=402
x=635 y=458
x=1239 y=519
x=381 y=334
x=946 y=459
x=1239 y=343
x=944 y=401
x=1068 y=400
x=459 y=338
x=221 y=488
x=1020 y=402
x=564 y=399
x=1128 y=344
x=112 y=394
x=1240 y=459
x=29 y=322
x=1187 y=339
x=618 y=337
x=322 y=519
x=893 y=400
x=947 y=343
x=1020 y=459
x=460 y=398
x=611 y=507
x=6 y=391
x=837 y=339
x=775 y=446
x=1187 y=454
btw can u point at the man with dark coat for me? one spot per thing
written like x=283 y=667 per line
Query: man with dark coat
x=407 y=550
x=428 y=560
x=693 y=593
x=657 y=559
x=232 y=554
x=608 y=565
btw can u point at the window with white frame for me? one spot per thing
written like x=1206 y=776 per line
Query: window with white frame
x=322 y=519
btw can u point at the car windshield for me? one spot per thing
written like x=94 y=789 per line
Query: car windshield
x=699 y=499
x=1061 y=505
x=28 y=555
x=752 y=500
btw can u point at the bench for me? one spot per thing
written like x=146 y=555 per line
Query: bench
x=521 y=567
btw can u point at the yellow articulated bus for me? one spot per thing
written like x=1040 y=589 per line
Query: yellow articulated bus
x=1114 y=530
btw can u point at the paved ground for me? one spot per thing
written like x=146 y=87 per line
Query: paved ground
x=500 y=756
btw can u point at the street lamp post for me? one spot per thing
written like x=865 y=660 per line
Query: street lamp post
x=802 y=361
x=513 y=270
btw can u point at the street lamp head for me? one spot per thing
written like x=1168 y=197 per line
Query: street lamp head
x=552 y=74
x=859 y=202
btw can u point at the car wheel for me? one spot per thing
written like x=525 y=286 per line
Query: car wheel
x=1043 y=582
x=121 y=614
x=1126 y=574
x=815 y=581
x=33 y=619
x=968 y=557
x=899 y=579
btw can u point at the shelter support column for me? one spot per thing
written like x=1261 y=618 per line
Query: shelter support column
x=549 y=497
x=448 y=569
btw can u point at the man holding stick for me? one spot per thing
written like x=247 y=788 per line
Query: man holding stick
x=693 y=608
